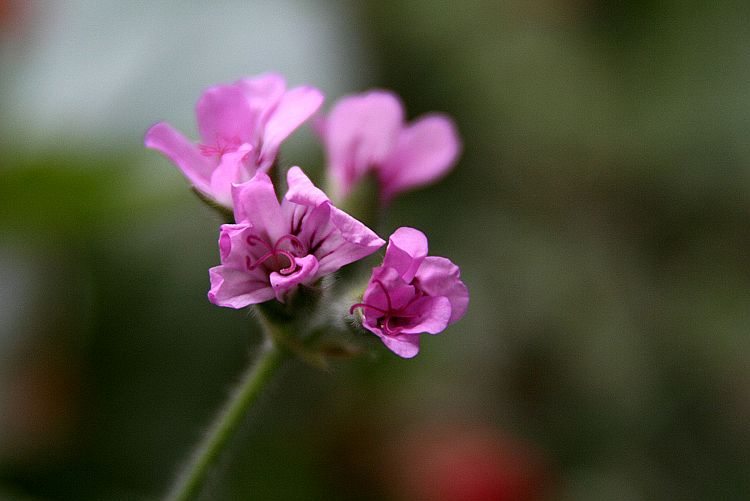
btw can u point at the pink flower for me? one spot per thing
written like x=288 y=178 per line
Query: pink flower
x=276 y=246
x=366 y=132
x=241 y=126
x=411 y=294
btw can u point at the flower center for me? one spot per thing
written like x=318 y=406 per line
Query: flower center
x=390 y=321
x=222 y=146
x=274 y=254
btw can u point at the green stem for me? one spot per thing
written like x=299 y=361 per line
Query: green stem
x=188 y=485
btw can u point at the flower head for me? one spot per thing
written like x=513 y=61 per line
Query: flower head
x=274 y=247
x=411 y=294
x=241 y=126
x=366 y=132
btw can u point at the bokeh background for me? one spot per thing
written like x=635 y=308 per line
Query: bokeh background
x=599 y=214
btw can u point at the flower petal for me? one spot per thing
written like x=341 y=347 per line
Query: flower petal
x=407 y=248
x=237 y=288
x=351 y=242
x=387 y=291
x=425 y=151
x=233 y=244
x=295 y=106
x=224 y=116
x=438 y=276
x=334 y=237
x=301 y=190
x=188 y=158
x=232 y=169
x=255 y=203
x=263 y=94
x=434 y=315
x=359 y=133
x=307 y=267
x=403 y=345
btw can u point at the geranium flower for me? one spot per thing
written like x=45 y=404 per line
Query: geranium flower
x=241 y=127
x=274 y=247
x=366 y=132
x=411 y=294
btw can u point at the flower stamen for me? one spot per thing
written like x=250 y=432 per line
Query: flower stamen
x=274 y=252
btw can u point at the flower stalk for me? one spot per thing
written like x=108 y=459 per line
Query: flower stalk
x=189 y=484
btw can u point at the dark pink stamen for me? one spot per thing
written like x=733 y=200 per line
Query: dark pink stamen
x=386 y=316
x=292 y=264
x=365 y=305
x=385 y=291
x=274 y=252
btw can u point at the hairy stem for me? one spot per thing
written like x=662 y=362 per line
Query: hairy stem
x=189 y=484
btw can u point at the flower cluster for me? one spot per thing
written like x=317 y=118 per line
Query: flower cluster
x=273 y=247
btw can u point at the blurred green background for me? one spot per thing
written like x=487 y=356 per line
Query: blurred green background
x=599 y=214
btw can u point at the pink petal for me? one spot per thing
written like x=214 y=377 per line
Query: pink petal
x=403 y=345
x=255 y=203
x=438 y=276
x=224 y=116
x=196 y=167
x=232 y=169
x=435 y=314
x=293 y=109
x=351 y=242
x=425 y=151
x=360 y=133
x=233 y=244
x=265 y=88
x=237 y=288
x=301 y=190
x=308 y=267
x=263 y=94
x=400 y=293
x=407 y=248
x=335 y=237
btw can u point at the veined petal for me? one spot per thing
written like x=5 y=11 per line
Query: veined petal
x=425 y=151
x=255 y=203
x=236 y=288
x=360 y=132
x=350 y=242
x=438 y=276
x=224 y=116
x=407 y=248
x=294 y=107
x=188 y=158
x=334 y=237
x=307 y=267
x=232 y=169
x=434 y=313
